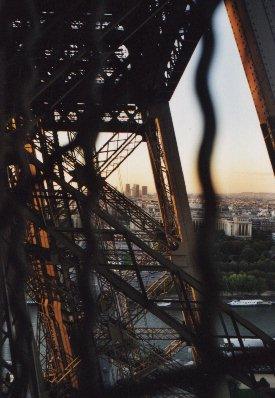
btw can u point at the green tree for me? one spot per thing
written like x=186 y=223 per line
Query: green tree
x=243 y=283
x=244 y=266
x=232 y=247
x=248 y=254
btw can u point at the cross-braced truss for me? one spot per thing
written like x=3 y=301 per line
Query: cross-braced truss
x=99 y=287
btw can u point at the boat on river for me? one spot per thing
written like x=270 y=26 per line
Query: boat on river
x=164 y=304
x=249 y=303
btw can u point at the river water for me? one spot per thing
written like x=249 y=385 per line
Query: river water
x=262 y=316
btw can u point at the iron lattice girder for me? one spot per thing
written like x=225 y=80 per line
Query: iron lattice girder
x=143 y=221
x=129 y=290
x=145 y=52
x=161 y=176
x=156 y=333
x=113 y=45
x=121 y=118
x=110 y=155
x=133 y=294
x=128 y=287
x=120 y=204
x=45 y=143
x=113 y=278
x=142 y=298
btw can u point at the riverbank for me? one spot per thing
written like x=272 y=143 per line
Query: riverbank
x=269 y=294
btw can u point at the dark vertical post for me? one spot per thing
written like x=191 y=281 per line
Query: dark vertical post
x=25 y=365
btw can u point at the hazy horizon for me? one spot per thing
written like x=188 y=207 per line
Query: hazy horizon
x=151 y=192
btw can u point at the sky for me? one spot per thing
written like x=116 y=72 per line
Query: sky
x=240 y=162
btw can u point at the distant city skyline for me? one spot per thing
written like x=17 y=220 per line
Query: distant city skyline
x=240 y=160
x=143 y=190
x=153 y=191
x=136 y=190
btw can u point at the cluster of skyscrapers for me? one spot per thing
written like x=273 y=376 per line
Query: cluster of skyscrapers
x=135 y=191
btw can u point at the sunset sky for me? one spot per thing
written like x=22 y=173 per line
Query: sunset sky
x=240 y=160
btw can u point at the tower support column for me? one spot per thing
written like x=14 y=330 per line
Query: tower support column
x=161 y=120
x=170 y=184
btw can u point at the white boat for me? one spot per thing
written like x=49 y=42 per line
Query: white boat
x=164 y=304
x=247 y=342
x=249 y=303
